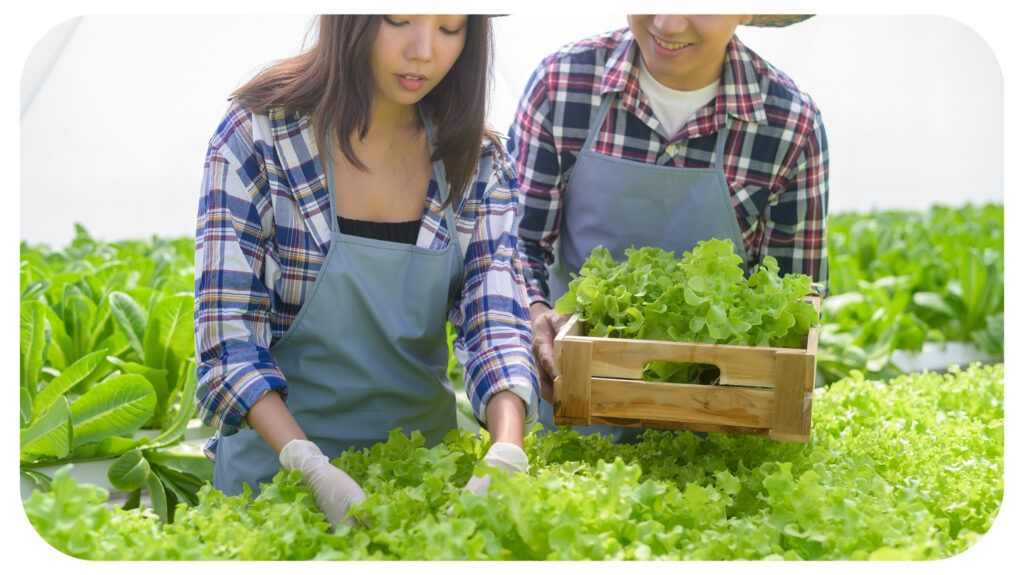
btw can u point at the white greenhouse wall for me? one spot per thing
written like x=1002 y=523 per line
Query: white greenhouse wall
x=113 y=133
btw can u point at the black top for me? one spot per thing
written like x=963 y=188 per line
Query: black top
x=398 y=232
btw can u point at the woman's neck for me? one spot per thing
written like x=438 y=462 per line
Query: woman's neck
x=390 y=118
x=394 y=131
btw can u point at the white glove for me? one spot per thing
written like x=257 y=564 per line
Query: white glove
x=507 y=456
x=333 y=490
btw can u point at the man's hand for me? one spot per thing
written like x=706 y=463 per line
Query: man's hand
x=333 y=490
x=546 y=323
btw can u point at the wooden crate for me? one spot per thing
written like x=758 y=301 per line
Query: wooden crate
x=762 y=391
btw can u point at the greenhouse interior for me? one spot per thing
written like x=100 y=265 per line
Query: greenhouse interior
x=882 y=440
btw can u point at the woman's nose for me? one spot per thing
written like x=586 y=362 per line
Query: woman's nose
x=420 y=44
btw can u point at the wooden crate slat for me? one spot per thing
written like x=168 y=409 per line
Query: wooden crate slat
x=738 y=365
x=573 y=389
x=678 y=425
x=702 y=404
x=811 y=339
x=791 y=414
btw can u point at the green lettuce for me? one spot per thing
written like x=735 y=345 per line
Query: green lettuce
x=909 y=468
x=702 y=297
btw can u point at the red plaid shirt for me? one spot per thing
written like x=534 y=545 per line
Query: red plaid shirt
x=776 y=155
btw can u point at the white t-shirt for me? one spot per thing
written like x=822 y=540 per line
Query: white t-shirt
x=673 y=108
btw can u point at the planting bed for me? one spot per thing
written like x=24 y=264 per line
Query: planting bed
x=895 y=466
x=911 y=468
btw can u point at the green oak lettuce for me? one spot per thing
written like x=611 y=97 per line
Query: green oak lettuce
x=702 y=297
x=910 y=468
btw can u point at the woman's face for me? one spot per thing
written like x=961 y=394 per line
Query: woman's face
x=684 y=52
x=412 y=54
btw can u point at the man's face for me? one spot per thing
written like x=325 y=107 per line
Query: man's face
x=684 y=52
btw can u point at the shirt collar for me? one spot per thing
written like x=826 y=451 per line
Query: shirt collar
x=297 y=153
x=739 y=93
x=619 y=67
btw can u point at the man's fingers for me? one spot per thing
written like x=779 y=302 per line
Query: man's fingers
x=545 y=328
x=543 y=351
x=547 y=358
x=547 y=388
x=557 y=321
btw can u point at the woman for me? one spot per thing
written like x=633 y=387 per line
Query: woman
x=327 y=266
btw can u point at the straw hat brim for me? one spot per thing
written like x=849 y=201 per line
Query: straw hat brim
x=777 y=20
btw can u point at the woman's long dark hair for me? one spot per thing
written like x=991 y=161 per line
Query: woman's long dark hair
x=332 y=81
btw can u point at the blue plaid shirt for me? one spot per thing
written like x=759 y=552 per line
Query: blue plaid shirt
x=776 y=155
x=262 y=234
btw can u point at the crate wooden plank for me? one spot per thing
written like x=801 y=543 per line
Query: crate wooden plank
x=796 y=437
x=701 y=404
x=792 y=406
x=810 y=372
x=738 y=365
x=811 y=339
x=572 y=327
x=571 y=404
x=679 y=425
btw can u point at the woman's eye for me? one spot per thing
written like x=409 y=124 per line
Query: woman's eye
x=394 y=22
x=450 y=32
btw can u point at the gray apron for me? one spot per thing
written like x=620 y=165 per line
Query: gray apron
x=367 y=352
x=619 y=203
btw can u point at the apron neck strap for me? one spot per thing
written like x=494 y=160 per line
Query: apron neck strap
x=440 y=177
x=328 y=161
x=720 y=139
x=606 y=104
x=595 y=124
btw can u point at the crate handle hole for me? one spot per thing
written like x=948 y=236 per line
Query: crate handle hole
x=682 y=372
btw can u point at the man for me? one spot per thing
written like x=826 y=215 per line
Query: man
x=665 y=133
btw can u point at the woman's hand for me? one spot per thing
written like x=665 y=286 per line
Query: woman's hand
x=507 y=456
x=333 y=490
x=546 y=323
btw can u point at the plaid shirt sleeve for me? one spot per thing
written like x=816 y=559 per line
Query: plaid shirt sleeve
x=232 y=302
x=492 y=316
x=795 y=230
x=532 y=146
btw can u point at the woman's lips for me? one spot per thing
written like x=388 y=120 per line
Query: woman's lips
x=411 y=82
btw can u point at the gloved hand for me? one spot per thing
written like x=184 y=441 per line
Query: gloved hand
x=333 y=490
x=507 y=456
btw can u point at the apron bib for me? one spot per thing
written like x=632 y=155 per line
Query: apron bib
x=619 y=203
x=367 y=352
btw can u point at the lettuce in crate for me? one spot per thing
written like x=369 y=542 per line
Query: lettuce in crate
x=703 y=297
